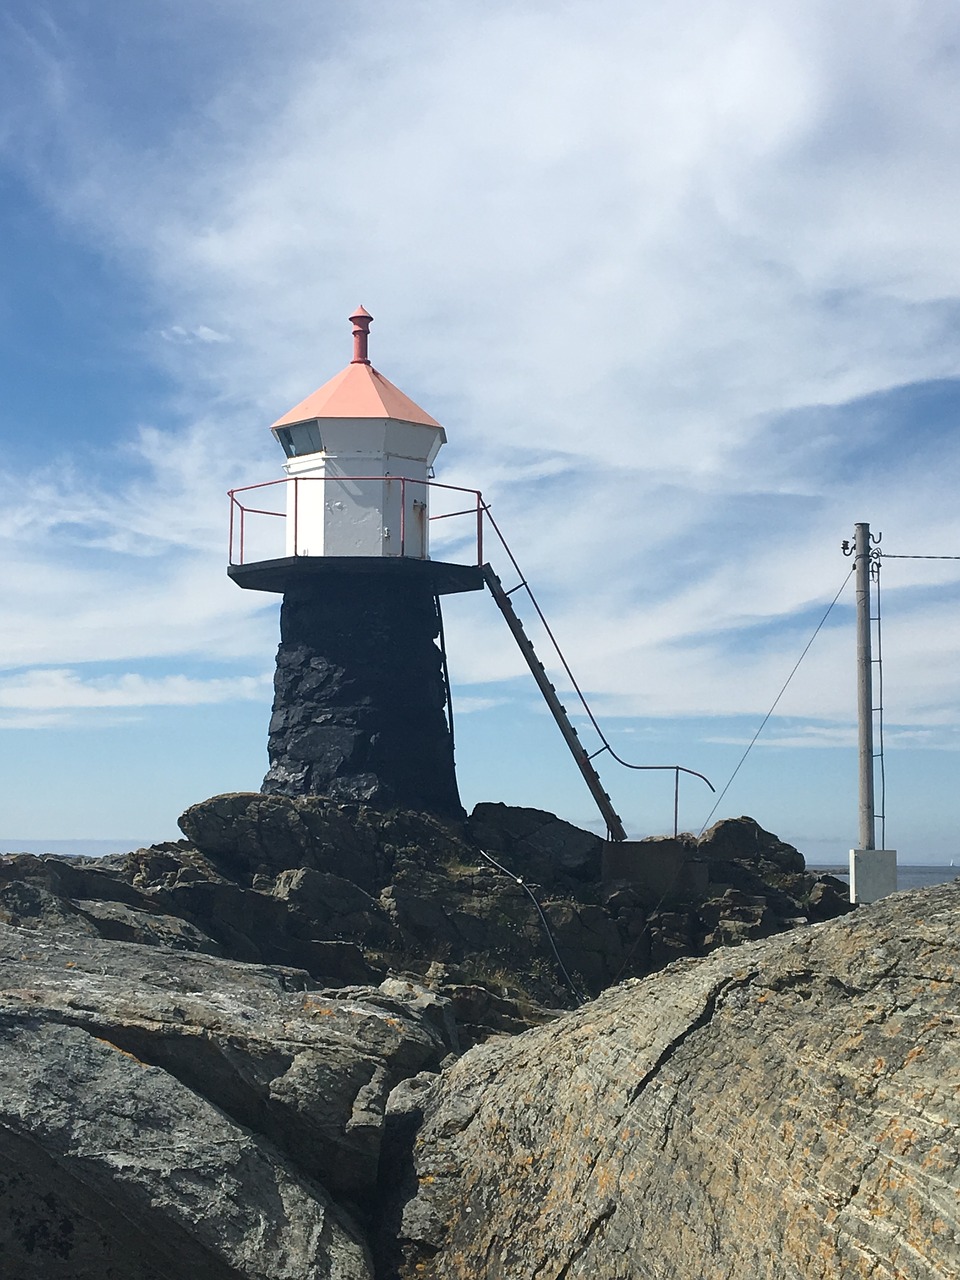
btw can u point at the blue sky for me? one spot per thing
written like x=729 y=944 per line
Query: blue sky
x=682 y=283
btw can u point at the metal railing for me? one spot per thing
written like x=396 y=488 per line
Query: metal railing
x=239 y=510
x=478 y=511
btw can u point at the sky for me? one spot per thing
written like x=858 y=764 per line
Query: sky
x=682 y=283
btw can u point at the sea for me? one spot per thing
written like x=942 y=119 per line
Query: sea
x=909 y=875
x=80 y=848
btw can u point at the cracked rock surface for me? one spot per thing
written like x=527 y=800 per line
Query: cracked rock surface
x=234 y=1057
x=168 y=1115
x=785 y=1109
x=351 y=894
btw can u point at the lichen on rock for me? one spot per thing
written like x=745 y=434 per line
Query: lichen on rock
x=249 y=1054
x=785 y=1110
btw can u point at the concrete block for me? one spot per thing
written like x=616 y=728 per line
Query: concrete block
x=873 y=874
x=661 y=868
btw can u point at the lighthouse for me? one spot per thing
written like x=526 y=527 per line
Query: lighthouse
x=361 y=709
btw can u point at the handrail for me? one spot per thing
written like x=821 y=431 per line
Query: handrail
x=481 y=510
x=239 y=510
x=676 y=769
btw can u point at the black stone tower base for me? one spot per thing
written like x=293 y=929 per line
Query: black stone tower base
x=359 y=695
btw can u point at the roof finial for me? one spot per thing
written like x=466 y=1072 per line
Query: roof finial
x=361 y=321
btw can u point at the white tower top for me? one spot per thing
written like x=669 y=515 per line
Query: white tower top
x=359 y=454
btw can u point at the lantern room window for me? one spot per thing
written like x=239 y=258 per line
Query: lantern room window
x=300 y=439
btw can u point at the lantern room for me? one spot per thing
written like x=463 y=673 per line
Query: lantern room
x=360 y=453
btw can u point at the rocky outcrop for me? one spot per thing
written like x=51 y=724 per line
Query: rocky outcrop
x=241 y=1055
x=351 y=894
x=359 y=696
x=540 y=846
x=166 y=1114
x=785 y=1110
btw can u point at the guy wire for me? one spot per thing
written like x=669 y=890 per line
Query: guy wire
x=776 y=701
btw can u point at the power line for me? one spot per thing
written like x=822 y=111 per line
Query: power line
x=776 y=701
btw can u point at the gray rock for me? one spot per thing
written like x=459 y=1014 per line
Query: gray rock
x=785 y=1110
x=744 y=840
x=110 y=1167
x=541 y=846
x=152 y=928
x=434 y=1009
x=351 y=893
x=307 y=1070
x=244 y=833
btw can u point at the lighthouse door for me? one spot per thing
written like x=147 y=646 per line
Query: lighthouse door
x=404 y=518
x=416 y=521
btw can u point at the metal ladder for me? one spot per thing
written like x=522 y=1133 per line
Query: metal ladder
x=615 y=829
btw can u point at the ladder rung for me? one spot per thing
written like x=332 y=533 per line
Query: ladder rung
x=549 y=690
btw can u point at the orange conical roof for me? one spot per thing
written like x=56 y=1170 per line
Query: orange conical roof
x=358 y=391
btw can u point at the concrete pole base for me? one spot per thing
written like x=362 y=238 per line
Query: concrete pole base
x=873 y=874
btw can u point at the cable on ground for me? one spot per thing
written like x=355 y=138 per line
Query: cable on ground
x=577 y=993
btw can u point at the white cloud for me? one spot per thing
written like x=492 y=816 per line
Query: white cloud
x=472 y=703
x=202 y=333
x=52 y=690
x=99 y=569
x=620 y=250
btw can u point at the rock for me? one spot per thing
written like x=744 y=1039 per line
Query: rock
x=541 y=846
x=245 y=833
x=171 y=1114
x=436 y=1010
x=67 y=878
x=829 y=898
x=30 y=905
x=327 y=906
x=744 y=840
x=784 y=1108
x=787 y=1109
x=434 y=902
x=153 y=928
x=110 y=1167
x=353 y=894
x=33 y=894
x=263 y=1043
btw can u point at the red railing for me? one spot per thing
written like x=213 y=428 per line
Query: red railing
x=239 y=510
x=478 y=511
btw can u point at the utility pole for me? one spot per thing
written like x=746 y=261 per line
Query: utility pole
x=864 y=688
x=873 y=871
